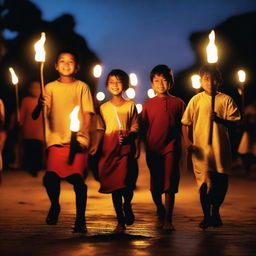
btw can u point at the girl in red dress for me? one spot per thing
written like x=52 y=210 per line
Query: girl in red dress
x=118 y=168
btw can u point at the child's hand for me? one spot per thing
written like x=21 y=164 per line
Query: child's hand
x=93 y=150
x=215 y=118
x=121 y=138
x=41 y=101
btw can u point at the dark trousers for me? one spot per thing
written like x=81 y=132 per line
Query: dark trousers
x=32 y=156
x=51 y=182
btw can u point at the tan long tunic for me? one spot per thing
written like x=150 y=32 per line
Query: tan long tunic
x=61 y=98
x=217 y=157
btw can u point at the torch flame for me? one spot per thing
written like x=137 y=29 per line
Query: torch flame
x=39 y=48
x=211 y=49
x=241 y=76
x=15 y=79
x=196 y=81
x=75 y=123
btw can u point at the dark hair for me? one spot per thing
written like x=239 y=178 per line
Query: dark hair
x=121 y=75
x=162 y=70
x=213 y=70
x=70 y=51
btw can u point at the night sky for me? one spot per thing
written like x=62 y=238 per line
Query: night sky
x=136 y=35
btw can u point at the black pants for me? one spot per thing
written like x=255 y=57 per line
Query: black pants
x=32 y=156
x=51 y=182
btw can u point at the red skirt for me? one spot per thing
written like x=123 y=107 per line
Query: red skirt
x=114 y=165
x=57 y=161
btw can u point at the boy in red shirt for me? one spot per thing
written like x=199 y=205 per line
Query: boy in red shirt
x=161 y=126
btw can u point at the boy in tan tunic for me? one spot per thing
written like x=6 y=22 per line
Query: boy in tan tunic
x=211 y=163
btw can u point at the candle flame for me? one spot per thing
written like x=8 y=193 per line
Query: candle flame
x=130 y=93
x=241 y=76
x=133 y=79
x=39 y=49
x=139 y=108
x=74 y=123
x=211 y=49
x=151 y=93
x=100 y=96
x=196 y=81
x=15 y=79
x=97 y=71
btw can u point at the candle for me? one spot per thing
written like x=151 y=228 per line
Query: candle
x=40 y=57
x=212 y=58
x=74 y=128
x=15 y=81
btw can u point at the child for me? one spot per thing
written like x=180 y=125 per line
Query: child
x=32 y=131
x=211 y=163
x=61 y=96
x=2 y=136
x=247 y=145
x=161 y=126
x=117 y=172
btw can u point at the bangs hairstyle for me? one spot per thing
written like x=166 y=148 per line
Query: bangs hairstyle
x=121 y=75
x=162 y=70
x=213 y=70
x=70 y=51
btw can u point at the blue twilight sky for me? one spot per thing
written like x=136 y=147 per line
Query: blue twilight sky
x=136 y=35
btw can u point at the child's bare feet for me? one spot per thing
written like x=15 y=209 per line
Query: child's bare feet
x=128 y=213
x=120 y=228
x=205 y=223
x=216 y=221
x=168 y=226
x=159 y=224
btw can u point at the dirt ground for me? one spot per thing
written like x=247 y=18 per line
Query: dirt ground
x=24 y=205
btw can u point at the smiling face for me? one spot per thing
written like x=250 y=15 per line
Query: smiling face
x=115 y=85
x=208 y=84
x=66 y=65
x=160 y=85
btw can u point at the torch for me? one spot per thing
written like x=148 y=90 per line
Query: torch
x=212 y=58
x=40 y=57
x=241 y=77
x=15 y=81
x=74 y=128
x=196 y=83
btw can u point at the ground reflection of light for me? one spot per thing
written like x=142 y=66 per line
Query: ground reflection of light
x=140 y=243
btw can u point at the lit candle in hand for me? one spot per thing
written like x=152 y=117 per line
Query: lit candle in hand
x=74 y=128
x=15 y=81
